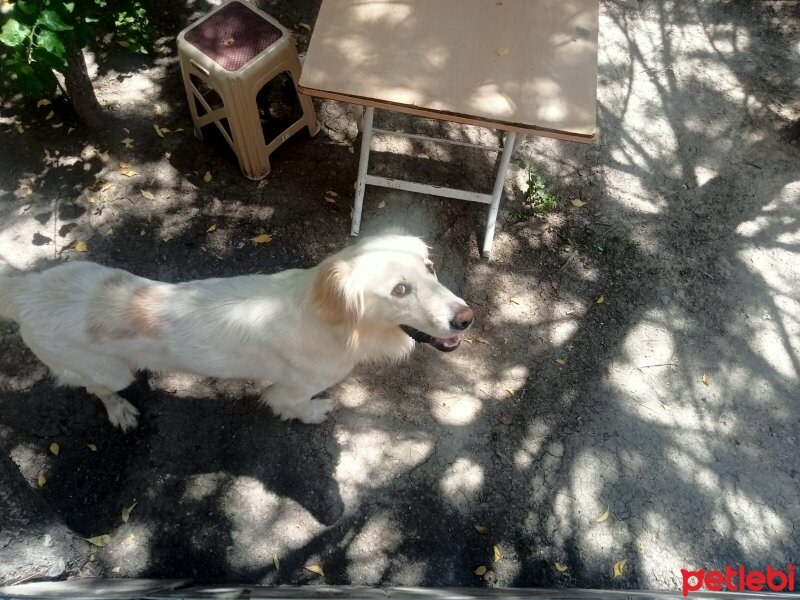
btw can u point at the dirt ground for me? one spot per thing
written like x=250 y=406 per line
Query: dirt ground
x=658 y=427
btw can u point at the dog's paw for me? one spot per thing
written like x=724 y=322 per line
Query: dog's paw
x=123 y=414
x=315 y=411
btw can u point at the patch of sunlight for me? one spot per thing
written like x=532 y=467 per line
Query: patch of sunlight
x=703 y=174
x=461 y=483
x=202 y=485
x=30 y=460
x=263 y=524
x=394 y=14
x=487 y=98
x=129 y=549
x=756 y=525
x=657 y=551
x=531 y=445
x=451 y=408
x=372 y=458
x=370 y=550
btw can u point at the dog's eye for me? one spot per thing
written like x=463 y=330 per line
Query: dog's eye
x=431 y=270
x=401 y=289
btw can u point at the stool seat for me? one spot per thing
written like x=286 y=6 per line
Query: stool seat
x=234 y=51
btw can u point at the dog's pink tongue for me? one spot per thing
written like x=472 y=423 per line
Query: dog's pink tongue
x=447 y=344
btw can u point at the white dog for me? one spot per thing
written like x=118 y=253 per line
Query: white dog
x=300 y=331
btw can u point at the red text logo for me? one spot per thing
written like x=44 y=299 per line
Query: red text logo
x=739 y=580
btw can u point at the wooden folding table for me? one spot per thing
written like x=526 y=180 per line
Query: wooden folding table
x=520 y=66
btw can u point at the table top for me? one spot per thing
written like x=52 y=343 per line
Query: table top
x=519 y=65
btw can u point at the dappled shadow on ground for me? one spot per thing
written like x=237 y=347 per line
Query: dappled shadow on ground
x=672 y=402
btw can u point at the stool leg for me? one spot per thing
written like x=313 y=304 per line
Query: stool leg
x=363 y=163
x=244 y=122
x=309 y=115
x=505 y=159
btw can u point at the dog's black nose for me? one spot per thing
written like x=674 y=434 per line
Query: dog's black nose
x=463 y=318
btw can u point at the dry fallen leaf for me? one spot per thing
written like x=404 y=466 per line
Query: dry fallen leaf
x=382 y=204
x=126 y=512
x=502 y=51
x=92 y=447
x=212 y=228
x=619 y=567
x=603 y=517
x=560 y=567
x=514 y=300
x=43 y=102
x=158 y=130
x=116 y=570
x=561 y=360
x=55 y=448
x=496 y=554
x=304 y=26
x=129 y=173
x=41 y=479
x=481 y=340
x=80 y=246
x=147 y=194
x=128 y=142
x=99 y=540
x=577 y=203
x=350 y=149
x=19 y=128
x=706 y=379
x=315 y=569
x=158 y=109
x=600 y=299
x=480 y=571
x=481 y=528
x=276 y=562
x=264 y=238
x=49 y=116
x=207 y=177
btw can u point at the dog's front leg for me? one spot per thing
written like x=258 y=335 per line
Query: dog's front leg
x=290 y=402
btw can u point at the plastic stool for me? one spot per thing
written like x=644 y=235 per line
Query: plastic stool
x=235 y=51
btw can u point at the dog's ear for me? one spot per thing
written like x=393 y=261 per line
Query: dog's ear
x=334 y=295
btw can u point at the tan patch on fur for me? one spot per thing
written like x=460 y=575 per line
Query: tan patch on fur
x=122 y=311
x=328 y=294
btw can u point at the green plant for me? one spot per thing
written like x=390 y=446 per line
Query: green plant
x=39 y=38
x=538 y=200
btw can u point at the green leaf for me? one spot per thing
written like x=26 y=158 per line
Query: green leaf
x=49 y=41
x=14 y=33
x=26 y=7
x=69 y=7
x=51 y=20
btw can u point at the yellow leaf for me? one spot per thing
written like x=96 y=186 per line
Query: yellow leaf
x=276 y=562
x=158 y=130
x=481 y=340
x=600 y=299
x=99 y=540
x=165 y=130
x=502 y=51
x=350 y=149
x=147 y=194
x=496 y=554
x=706 y=379
x=124 y=165
x=330 y=200
x=264 y=238
x=514 y=300
x=55 y=448
x=509 y=391
x=332 y=193
x=128 y=142
x=619 y=567
x=212 y=228
x=49 y=116
x=561 y=360
x=603 y=517
x=157 y=109
x=481 y=528
x=480 y=571
x=577 y=203
x=179 y=129
x=207 y=177
x=560 y=567
x=43 y=102
x=80 y=246
x=41 y=479
x=304 y=26
x=382 y=204
x=126 y=512
x=92 y=447
x=315 y=569
x=129 y=173
x=19 y=128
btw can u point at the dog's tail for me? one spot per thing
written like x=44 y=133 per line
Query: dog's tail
x=9 y=308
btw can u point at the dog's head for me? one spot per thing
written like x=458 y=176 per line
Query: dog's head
x=389 y=281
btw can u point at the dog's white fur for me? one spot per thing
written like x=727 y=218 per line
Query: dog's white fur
x=300 y=331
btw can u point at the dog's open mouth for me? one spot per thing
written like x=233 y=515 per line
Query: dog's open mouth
x=441 y=344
